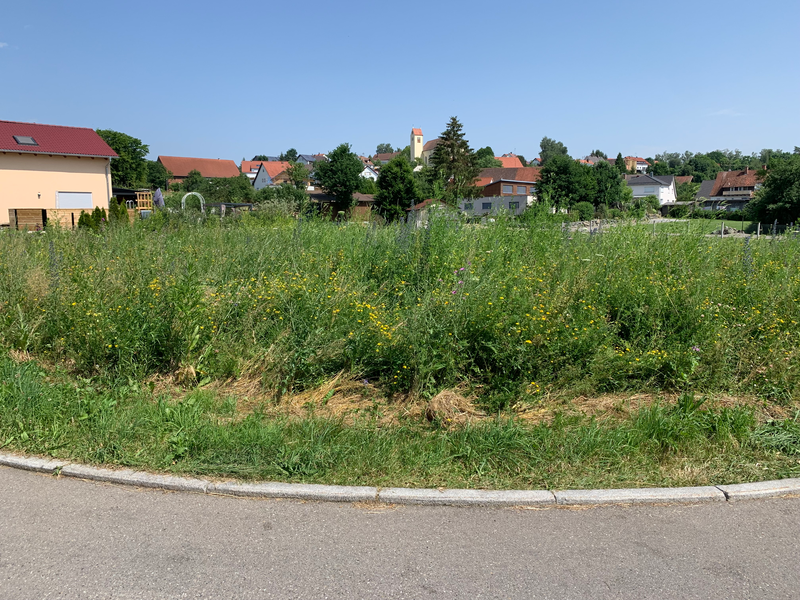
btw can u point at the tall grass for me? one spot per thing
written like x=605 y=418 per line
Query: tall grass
x=513 y=309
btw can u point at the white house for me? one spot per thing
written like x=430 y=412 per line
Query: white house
x=369 y=173
x=662 y=187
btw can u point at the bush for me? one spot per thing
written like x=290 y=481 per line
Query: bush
x=585 y=210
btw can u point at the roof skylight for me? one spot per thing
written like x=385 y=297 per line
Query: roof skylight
x=25 y=140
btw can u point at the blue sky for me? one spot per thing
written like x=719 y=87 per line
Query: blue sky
x=230 y=80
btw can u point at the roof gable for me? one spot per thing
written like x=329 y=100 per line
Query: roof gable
x=522 y=174
x=52 y=139
x=510 y=162
x=729 y=179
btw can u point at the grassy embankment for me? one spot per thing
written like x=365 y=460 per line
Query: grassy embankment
x=516 y=320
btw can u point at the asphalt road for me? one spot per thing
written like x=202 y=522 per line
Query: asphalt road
x=65 y=538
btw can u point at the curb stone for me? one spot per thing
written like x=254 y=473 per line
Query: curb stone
x=137 y=478
x=761 y=489
x=437 y=497
x=640 y=496
x=427 y=497
x=298 y=491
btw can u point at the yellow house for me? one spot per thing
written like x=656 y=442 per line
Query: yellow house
x=51 y=172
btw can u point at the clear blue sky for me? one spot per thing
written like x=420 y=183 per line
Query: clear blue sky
x=234 y=79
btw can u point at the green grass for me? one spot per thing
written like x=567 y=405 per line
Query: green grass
x=512 y=313
x=700 y=226
x=662 y=445
x=514 y=310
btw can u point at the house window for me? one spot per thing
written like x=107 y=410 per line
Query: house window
x=468 y=206
x=513 y=205
x=521 y=189
x=263 y=180
x=507 y=189
x=487 y=206
x=649 y=190
x=25 y=140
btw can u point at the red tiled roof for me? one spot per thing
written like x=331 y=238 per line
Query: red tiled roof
x=483 y=181
x=529 y=174
x=208 y=167
x=272 y=167
x=679 y=179
x=431 y=145
x=729 y=179
x=510 y=162
x=637 y=159
x=416 y=131
x=426 y=204
x=54 y=139
x=386 y=157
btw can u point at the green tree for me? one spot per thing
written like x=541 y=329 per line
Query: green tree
x=779 y=197
x=659 y=168
x=485 y=158
x=599 y=153
x=228 y=189
x=340 y=175
x=384 y=149
x=620 y=164
x=260 y=157
x=455 y=163
x=522 y=160
x=397 y=190
x=565 y=182
x=609 y=185
x=194 y=181
x=298 y=174
x=687 y=191
x=550 y=148
x=157 y=175
x=289 y=156
x=130 y=169
x=367 y=185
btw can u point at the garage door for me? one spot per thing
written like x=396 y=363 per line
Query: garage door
x=73 y=199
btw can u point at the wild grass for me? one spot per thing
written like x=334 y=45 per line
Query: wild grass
x=664 y=444
x=511 y=311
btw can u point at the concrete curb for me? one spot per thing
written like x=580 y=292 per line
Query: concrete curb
x=427 y=497
x=761 y=489
x=684 y=495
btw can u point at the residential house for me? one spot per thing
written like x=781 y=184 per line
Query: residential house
x=384 y=157
x=681 y=179
x=271 y=173
x=704 y=193
x=732 y=190
x=309 y=159
x=369 y=172
x=51 y=172
x=501 y=181
x=593 y=160
x=634 y=163
x=510 y=161
x=662 y=187
x=492 y=205
x=181 y=166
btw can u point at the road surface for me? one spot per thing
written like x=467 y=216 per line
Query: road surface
x=65 y=538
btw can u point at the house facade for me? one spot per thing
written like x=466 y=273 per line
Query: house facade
x=494 y=205
x=662 y=187
x=501 y=181
x=270 y=173
x=55 y=170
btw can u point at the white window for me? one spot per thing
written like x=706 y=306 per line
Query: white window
x=74 y=200
x=649 y=190
x=507 y=189
x=521 y=189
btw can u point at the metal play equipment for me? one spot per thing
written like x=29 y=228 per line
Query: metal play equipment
x=202 y=201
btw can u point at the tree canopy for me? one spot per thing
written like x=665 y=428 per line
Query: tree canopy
x=298 y=174
x=289 y=156
x=779 y=196
x=397 y=189
x=260 y=157
x=550 y=148
x=485 y=158
x=384 y=149
x=454 y=161
x=130 y=169
x=340 y=174
x=157 y=174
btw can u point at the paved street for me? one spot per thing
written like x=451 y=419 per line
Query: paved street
x=63 y=538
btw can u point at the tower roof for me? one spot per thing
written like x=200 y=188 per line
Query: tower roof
x=416 y=131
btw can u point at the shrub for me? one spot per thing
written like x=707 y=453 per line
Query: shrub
x=585 y=210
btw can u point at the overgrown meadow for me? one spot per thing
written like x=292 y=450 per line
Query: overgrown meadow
x=512 y=315
x=510 y=311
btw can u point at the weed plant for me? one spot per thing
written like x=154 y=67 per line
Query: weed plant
x=512 y=309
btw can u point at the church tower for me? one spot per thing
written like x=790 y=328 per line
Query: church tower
x=416 y=144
